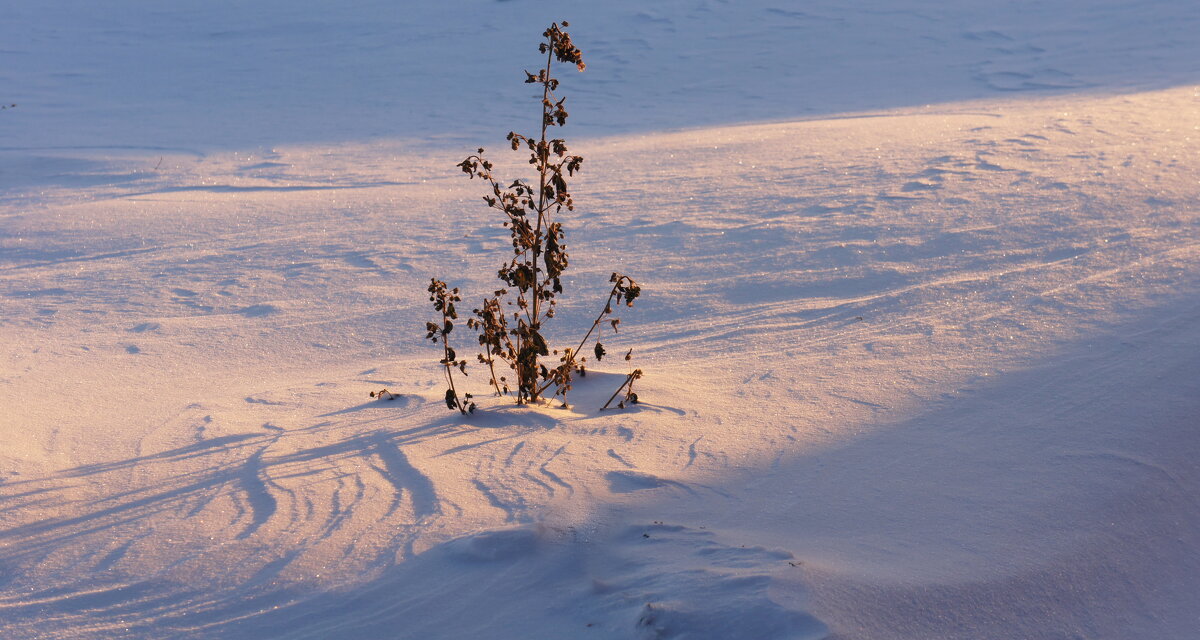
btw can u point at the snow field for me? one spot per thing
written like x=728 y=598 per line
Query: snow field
x=919 y=341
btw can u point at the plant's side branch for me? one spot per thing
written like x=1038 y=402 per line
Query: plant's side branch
x=459 y=403
x=617 y=289
x=494 y=330
x=628 y=382
x=570 y=361
x=607 y=310
x=443 y=301
x=492 y=369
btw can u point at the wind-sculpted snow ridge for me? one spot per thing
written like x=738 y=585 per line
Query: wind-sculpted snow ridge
x=648 y=581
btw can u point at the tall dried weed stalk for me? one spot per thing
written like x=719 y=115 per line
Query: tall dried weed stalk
x=510 y=322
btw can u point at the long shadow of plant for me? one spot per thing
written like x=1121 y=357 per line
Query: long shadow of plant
x=74 y=528
x=251 y=511
x=232 y=464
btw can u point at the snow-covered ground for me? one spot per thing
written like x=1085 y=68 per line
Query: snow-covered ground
x=921 y=282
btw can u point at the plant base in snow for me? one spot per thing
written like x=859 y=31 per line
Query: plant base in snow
x=384 y=394
x=626 y=386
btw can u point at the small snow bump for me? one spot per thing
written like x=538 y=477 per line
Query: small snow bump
x=918 y=186
x=258 y=310
x=630 y=481
x=495 y=545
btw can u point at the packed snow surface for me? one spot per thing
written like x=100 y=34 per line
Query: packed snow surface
x=919 y=325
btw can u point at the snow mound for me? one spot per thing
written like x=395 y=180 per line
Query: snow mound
x=644 y=581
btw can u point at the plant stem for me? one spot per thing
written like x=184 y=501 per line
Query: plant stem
x=492 y=368
x=607 y=309
x=543 y=157
x=449 y=375
x=628 y=381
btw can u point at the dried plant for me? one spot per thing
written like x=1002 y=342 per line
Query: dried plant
x=510 y=322
x=443 y=301
x=626 y=386
x=384 y=394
